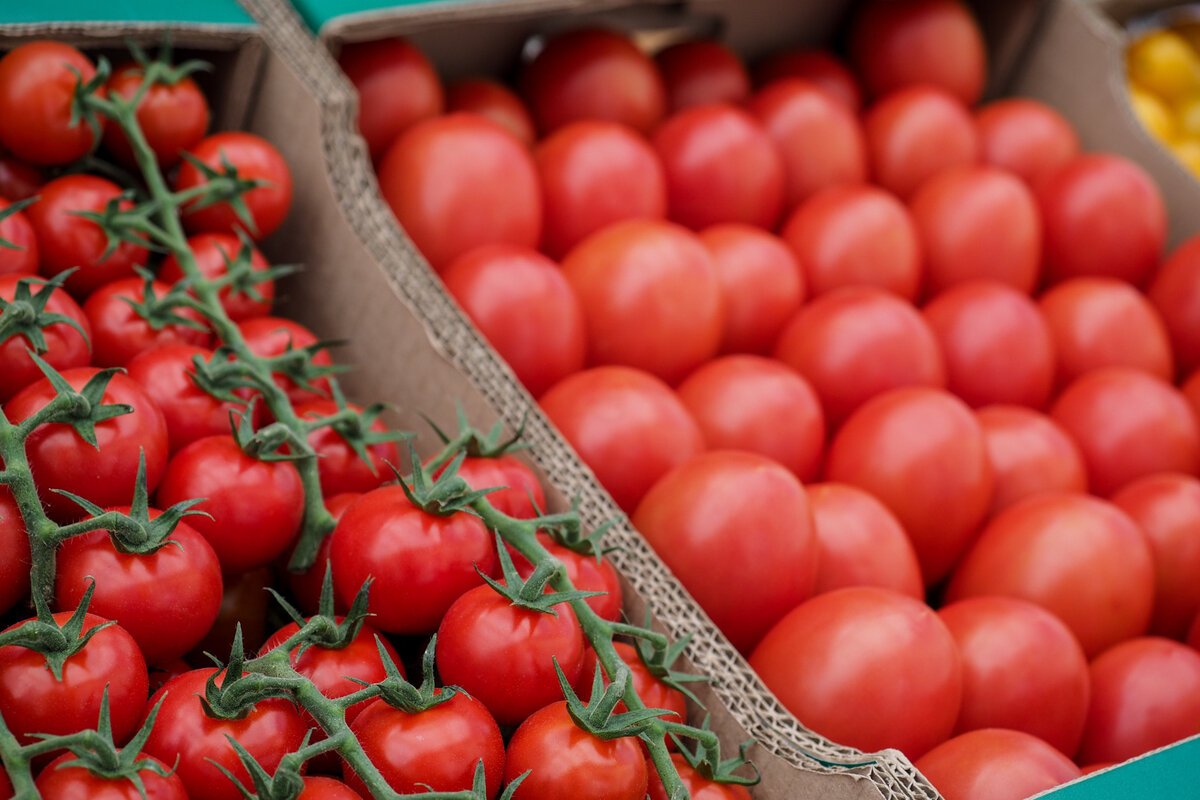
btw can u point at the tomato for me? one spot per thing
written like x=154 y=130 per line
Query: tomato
x=437 y=749
x=173 y=116
x=167 y=600
x=61 y=781
x=921 y=452
x=494 y=100
x=61 y=459
x=67 y=240
x=306 y=586
x=520 y=492
x=213 y=252
x=66 y=347
x=935 y=42
x=525 y=308
x=748 y=402
x=119 y=332
x=868 y=667
x=341 y=469
x=268 y=337
x=320 y=787
x=586 y=574
x=1175 y=293
x=33 y=701
x=254 y=507
x=14 y=552
x=18 y=180
x=650 y=690
x=564 y=761
x=1029 y=453
x=244 y=606
x=253 y=158
x=651 y=297
x=1024 y=136
x=1128 y=424
x=1193 y=635
x=699 y=787
x=821 y=141
x=855 y=235
x=460 y=181
x=593 y=73
x=861 y=543
x=816 y=65
x=19 y=254
x=978 y=325
x=195 y=743
x=854 y=343
x=706 y=506
x=37 y=86
x=995 y=764
x=397 y=87
x=700 y=71
x=721 y=166
x=1071 y=554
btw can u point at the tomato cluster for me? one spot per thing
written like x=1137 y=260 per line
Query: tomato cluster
x=901 y=384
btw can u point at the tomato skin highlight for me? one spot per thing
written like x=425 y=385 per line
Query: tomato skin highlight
x=995 y=764
x=1025 y=137
x=1029 y=453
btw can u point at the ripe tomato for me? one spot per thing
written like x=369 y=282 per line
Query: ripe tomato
x=14 y=552
x=705 y=506
x=1029 y=453
x=268 y=337
x=37 y=86
x=586 y=574
x=494 y=100
x=340 y=468
x=816 y=65
x=18 y=180
x=1026 y=137
x=699 y=787
x=650 y=690
x=119 y=332
x=995 y=764
x=21 y=257
x=213 y=252
x=520 y=492
x=173 y=116
x=868 y=667
x=61 y=781
x=320 y=787
x=254 y=158
x=244 y=605
x=701 y=71
x=397 y=87
x=1175 y=293
x=66 y=347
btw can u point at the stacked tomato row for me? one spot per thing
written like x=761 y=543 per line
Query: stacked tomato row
x=849 y=346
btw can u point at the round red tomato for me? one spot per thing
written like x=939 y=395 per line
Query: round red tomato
x=37 y=88
x=1025 y=137
x=252 y=157
x=20 y=253
x=1175 y=293
x=341 y=469
x=320 y=787
x=1029 y=453
x=586 y=574
x=212 y=253
x=269 y=337
x=520 y=492
x=701 y=71
x=397 y=86
x=14 y=552
x=66 y=347
x=173 y=116
x=817 y=65
x=494 y=100
x=995 y=764
x=699 y=787
x=61 y=781
x=119 y=332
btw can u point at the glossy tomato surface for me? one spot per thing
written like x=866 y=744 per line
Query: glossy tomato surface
x=995 y=764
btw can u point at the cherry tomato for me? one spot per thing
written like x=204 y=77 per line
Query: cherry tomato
x=1024 y=136
x=701 y=71
x=340 y=468
x=650 y=690
x=213 y=252
x=66 y=347
x=586 y=574
x=1175 y=293
x=699 y=787
x=253 y=158
x=172 y=116
x=520 y=492
x=1029 y=453
x=397 y=87
x=494 y=100
x=18 y=180
x=19 y=254
x=268 y=337
x=817 y=65
x=61 y=781
x=320 y=787
x=119 y=332
x=37 y=87
x=14 y=552
x=995 y=764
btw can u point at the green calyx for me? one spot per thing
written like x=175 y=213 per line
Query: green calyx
x=706 y=759
x=448 y=494
x=273 y=442
x=241 y=279
x=231 y=693
x=478 y=444
x=80 y=409
x=399 y=693
x=324 y=629
x=8 y=211
x=224 y=186
x=530 y=593
x=659 y=659
x=55 y=642
x=354 y=426
x=26 y=314
x=162 y=312
x=598 y=716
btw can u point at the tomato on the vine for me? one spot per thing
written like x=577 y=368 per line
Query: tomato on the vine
x=119 y=332
x=62 y=781
x=699 y=787
x=519 y=492
x=20 y=253
x=340 y=468
x=66 y=346
x=252 y=157
x=14 y=552
x=37 y=88
x=172 y=116
x=269 y=337
x=586 y=573
x=212 y=253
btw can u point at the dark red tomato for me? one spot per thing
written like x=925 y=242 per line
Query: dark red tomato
x=254 y=506
x=650 y=690
x=243 y=605
x=821 y=141
x=1029 y=453
x=61 y=459
x=855 y=235
x=979 y=325
x=32 y=700
x=520 y=492
x=651 y=297
x=1145 y=695
x=213 y=252
x=1023 y=669
x=166 y=600
x=854 y=343
x=196 y=743
x=921 y=452
x=702 y=71
x=935 y=42
x=1071 y=554
x=747 y=259
x=67 y=240
x=252 y=157
x=1166 y=507
x=340 y=468
x=19 y=251
x=433 y=750
x=978 y=222
x=1102 y=214
x=504 y=655
x=1191 y=391
x=564 y=761
x=321 y=787
x=868 y=667
x=1026 y=137
x=707 y=505
x=66 y=347
x=306 y=586
x=721 y=166
x=18 y=180
x=1193 y=635
x=861 y=543
x=524 y=307
x=37 y=85
x=1128 y=424
x=268 y=337
x=1175 y=293
x=14 y=552
x=173 y=116
x=60 y=781
x=626 y=425
x=593 y=73
x=748 y=402
x=816 y=65
x=119 y=333
x=594 y=173
x=494 y=100
x=699 y=787
x=1104 y=322
x=460 y=181
x=995 y=764
x=397 y=87
x=586 y=574
x=915 y=132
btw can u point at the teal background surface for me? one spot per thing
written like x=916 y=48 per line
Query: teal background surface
x=1172 y=773
x=212 y=12
x=317 y=12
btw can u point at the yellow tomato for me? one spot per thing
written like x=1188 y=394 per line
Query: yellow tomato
x=1153 y=113
x=1164 y=64
x=1188 y=151
x=1187 y=116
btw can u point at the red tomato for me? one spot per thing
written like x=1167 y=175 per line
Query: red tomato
x=699 y=787
x=593 y=73
x=861 y=543
x=341 y=469
x=1029 y=453
x=319 y=787
x=173 y=116
x=868 y=667
x=915 y=132
x=651 y=297
x=707 y=505
x=995 y=764
x=921 y=452
x=1128 y=424
x=1193 y=636
x=1175 y=293
x=855 y=236
x=748 y=402
x=979 y=325
x=1102 y=214
x=253 y=157
x=14 y=552
x=520 y=492
x=1071 y=554
x=268 y=337
x=857 y=342
x=701 y=71
x=119 y=332
x=1024 y=136
x=18 y=180
x=1145 y=695
x=66 y=347
x=494 y=100
x=816 y=65
x=397 y=87
x=586 y=574
x=460 y=181
x=213 y=252
x=37 y=86
x=20 y=253
x=243 y=605
x=936 y=42
x=60 y=781
x=650 y=690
